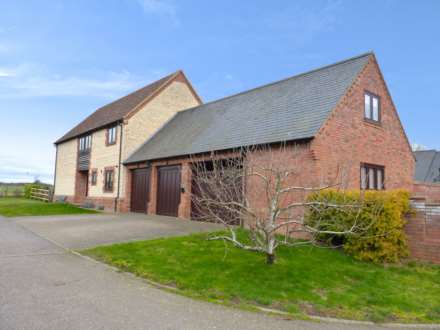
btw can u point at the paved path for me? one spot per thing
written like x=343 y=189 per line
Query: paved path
x=43 y=286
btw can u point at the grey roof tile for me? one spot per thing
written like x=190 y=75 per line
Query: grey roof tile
x=290 y=109
x=427 y=166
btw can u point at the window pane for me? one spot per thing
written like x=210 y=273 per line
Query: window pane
x=363 y=178
x=379 y=179
x=371 y=178
x=367 y=106
x=375 y=109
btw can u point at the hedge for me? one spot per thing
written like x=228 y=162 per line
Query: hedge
x=379 y=217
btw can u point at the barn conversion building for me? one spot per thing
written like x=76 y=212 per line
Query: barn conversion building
x=340 y=114
x=89 y=157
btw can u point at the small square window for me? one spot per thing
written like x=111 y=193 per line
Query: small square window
x=372 y=177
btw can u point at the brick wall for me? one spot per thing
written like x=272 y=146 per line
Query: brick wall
x=346 y=139
x=427 y=191
x=423 y=232
x=344 y=142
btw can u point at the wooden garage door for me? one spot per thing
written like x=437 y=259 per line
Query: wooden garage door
x=168 y=190
x=140 y=190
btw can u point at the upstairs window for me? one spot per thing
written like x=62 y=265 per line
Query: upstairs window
x=108 y=180
x=372 y=177
x=372 y=107
x=111 y=135
x=85 y=143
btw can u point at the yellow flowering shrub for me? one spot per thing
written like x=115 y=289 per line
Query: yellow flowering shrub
x=377 y=216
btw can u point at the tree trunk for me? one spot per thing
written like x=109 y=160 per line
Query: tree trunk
x=270 y=258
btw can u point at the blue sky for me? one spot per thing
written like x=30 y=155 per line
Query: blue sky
x=60 y=60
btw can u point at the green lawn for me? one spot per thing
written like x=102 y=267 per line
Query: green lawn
x=306 y=280
x=15 y=207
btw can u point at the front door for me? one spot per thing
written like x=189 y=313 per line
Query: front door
x=140 y=188
x=168 y=190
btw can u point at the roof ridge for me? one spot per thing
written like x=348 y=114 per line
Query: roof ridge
x=149 y=88
x=167 y=78
x=369 y=53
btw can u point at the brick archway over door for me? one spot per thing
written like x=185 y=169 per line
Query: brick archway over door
x=168 y=190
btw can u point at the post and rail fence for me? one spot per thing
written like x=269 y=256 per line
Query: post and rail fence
x=42 y=194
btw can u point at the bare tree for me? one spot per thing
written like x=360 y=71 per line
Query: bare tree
x=263 y=189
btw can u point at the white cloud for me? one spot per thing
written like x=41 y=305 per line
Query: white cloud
x=7 y=72
x=418 y=147
x=163 y=8
x=13 y=170
x=30 y=81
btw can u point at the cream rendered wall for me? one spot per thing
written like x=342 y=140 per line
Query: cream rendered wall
x=176 y=97
x=141 y=126
x=66 y=168
x=103 y=156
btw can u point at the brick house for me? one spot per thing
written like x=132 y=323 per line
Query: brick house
x=341 y=114
x=89 y=157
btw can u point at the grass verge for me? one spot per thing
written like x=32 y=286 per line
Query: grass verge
x=15 y=207
x=304 y=280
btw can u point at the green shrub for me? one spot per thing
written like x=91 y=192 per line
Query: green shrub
x=379 y=219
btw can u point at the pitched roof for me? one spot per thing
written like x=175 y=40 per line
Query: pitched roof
x=290 y=109
x=119 y=109
x=427 y=166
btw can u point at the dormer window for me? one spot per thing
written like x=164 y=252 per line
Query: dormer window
x=372 y=108
x=111 y=135
x=85 y=143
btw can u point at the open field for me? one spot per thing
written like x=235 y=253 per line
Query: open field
x=11 y=189
x=306 y=280
x=16 y=207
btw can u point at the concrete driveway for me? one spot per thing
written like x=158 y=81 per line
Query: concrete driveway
x=44 y=286
x=82 y=231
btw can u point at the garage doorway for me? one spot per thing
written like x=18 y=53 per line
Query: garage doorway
x=168 y=190
x=199 y=212
x=140 y=190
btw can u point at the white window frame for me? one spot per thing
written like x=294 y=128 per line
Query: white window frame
x=372 y=109
x=111 y=135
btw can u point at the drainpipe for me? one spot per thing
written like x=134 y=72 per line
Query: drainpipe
x=119 y=166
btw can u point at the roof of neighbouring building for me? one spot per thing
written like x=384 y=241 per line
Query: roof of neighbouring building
x=119 y=109
x=427 y=166
x=287 y=110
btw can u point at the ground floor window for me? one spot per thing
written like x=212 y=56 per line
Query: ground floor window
x=108 y=180
x=94 y=177
x=372 y=177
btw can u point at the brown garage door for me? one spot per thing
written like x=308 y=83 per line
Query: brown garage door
x=168 y=190
x=140 y=190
